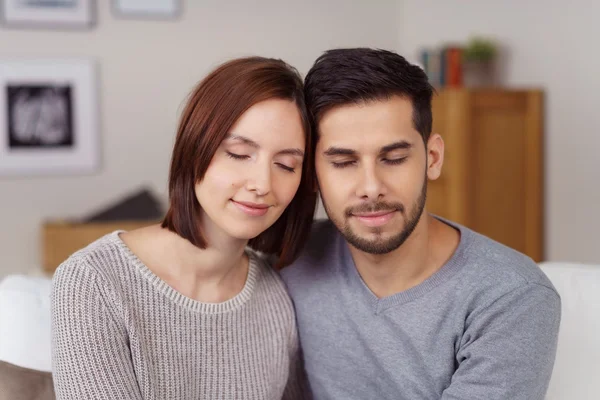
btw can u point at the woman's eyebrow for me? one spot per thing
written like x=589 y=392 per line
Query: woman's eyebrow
x=243 y=139
x=293 y=152
x=252 y=143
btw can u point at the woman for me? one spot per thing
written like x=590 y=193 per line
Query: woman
x=187 y=309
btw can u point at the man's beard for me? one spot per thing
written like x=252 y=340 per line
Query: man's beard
x=380 y=245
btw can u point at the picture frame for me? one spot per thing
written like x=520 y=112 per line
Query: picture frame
x=49 y=122
x=147 y=9
x=67 y=14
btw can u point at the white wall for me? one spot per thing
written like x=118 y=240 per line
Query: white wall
x=553 y=44
x=146 y=69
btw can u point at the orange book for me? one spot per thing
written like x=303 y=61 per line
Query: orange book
x=454 y=67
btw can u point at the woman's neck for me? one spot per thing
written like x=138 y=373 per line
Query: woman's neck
x=211 y=275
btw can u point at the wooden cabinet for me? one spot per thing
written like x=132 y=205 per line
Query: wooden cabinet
x=492 y=178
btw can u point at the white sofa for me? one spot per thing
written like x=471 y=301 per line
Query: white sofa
x=25 y=328
x=25 y=339
x=576 y=374
x=25 y=321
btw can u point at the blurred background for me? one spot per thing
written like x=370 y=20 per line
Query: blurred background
x=91 y=91
x=516 y=104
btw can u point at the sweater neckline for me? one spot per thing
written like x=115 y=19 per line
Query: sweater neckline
x=184 y=301
x=442 y=275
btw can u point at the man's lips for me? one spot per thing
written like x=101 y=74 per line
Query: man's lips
x=376 y=218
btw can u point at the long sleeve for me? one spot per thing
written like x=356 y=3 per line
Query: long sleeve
x=508 y=348
x=90 y=354
x=297 y=385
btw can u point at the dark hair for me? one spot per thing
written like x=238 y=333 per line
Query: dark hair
x=212 y=109
x=346 y=76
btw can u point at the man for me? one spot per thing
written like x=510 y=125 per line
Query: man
x=392 y=302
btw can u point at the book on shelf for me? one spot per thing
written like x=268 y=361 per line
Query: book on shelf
x=443 y=66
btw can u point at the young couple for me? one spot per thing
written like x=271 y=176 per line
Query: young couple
x=381 y=301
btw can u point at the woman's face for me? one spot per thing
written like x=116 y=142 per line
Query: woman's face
x=256 y=171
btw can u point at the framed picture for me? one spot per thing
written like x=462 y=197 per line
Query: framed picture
x=157 y=9
x=48 y=117
x=48 y=13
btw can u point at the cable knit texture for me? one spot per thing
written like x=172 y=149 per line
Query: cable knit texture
x=120 y=332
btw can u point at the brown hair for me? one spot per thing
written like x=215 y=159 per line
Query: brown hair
x=212 y=109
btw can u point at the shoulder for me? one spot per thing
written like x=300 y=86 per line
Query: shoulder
x=499 y=260
x=267 y=281
x=95 y=266
x=493 y=270
x=270 y=292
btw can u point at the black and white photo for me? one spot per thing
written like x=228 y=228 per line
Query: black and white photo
x=39 y=116
x=48 y=116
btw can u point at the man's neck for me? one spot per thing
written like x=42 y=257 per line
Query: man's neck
x=426 y=250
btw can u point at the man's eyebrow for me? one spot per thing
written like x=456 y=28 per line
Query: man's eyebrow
x=339 y=151
x=243 y=139
x=401 y=145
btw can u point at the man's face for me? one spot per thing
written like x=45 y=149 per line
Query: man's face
x=372 y=168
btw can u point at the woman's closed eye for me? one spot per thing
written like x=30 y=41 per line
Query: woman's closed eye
x=237 y=156
x=243 y=157
x=286 y=167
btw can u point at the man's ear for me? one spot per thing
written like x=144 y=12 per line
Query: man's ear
x=435 y=156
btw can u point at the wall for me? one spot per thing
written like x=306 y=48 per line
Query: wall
x=146 y=69
x=550 y=45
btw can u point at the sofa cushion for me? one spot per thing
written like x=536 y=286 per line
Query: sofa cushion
x=577 y=365
x=25 y=333
x=18 y=383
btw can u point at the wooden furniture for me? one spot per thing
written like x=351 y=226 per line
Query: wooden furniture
x=492 y=178
x=61 y=239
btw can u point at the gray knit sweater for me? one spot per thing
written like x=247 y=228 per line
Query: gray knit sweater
x=120 y=332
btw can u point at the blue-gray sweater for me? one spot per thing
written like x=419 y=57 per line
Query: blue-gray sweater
x=484 y=326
